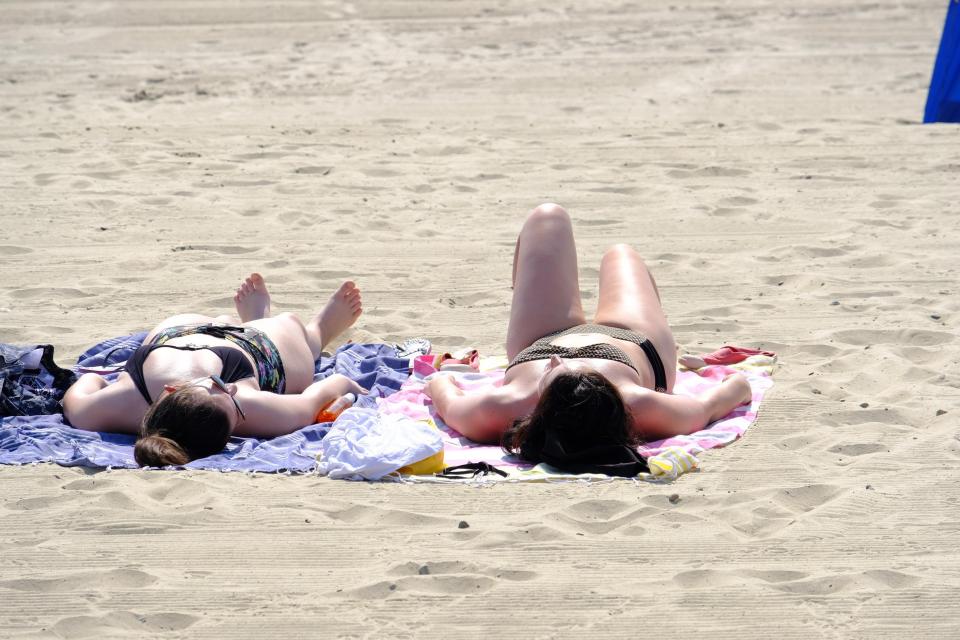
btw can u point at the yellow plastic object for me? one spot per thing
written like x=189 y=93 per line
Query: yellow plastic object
x=425 y=467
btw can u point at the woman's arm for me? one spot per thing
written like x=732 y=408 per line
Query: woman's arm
x=482 y=416
x=270 y=415
x=93 y=405
x=660 y=415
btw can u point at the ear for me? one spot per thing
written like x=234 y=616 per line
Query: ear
x=169 y=388
x=231 y=388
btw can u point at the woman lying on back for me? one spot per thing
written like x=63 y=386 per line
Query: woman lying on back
x=197 y=380
x=580 y=395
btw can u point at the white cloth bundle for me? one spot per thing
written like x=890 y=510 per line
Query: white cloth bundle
x=366 y=445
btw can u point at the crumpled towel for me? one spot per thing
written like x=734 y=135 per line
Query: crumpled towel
x=364 y=444
x=727 y=355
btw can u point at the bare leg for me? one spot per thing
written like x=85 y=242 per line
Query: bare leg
x=300 y=344
x=341 y=311
x=629 y=299
x=546 y=290
x=252 y=299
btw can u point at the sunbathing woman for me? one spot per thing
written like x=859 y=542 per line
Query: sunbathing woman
x=197 y=380
x=576 y=395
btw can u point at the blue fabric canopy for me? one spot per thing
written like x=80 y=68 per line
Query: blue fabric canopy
x=943 y=100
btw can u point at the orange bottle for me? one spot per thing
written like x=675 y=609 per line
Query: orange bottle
x=330 y=411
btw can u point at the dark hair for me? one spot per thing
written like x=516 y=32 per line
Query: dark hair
x=183 y=426
x=580 y=424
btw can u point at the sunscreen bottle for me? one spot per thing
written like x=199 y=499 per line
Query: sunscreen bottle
x=330 y=411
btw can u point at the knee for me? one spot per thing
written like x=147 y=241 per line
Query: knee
x=549 y=212
x=622 y=250
x=289 y=317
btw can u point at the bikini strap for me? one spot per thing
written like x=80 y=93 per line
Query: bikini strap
x=659 y=373
x=134 y=368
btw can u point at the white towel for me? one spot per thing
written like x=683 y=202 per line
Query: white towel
x=366 y=445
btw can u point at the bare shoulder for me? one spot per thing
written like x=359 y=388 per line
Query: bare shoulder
x=510 y=401
x=115 y=407
x=483 y=416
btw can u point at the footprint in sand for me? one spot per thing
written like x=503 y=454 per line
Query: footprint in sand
x=44 y=179
x=738 y=201
x=806 y=498
x=10 y=250
x=380 y=173
x=867 y=581
x=858 y=449
x=801 y=282
x=260 y=155
x=708 y=172
x=600 y=517
x=459 y=567
x=113 y=579
x=532 y=535
x=444 y=577
x=911 y=337
x=313 y=170
x=368 y=514
x=50 y=293
x=728 y=212
x=121 y=623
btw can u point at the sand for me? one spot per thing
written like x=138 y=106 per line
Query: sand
x=767 y=159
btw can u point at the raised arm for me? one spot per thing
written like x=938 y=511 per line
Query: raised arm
x=482 y=416
x=661 y=415
x=93 y=405
x=269 y=415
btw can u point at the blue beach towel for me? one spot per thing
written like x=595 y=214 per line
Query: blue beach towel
x=27 y=439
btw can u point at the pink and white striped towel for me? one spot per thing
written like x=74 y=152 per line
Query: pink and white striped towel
x=667 y=458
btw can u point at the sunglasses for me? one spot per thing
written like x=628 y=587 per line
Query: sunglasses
x=219 y=384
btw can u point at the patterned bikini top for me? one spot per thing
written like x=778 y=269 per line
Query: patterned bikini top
x=542 y=349
x=601 y=350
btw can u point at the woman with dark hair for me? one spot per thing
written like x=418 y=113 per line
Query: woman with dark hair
x=197 y=380
x=580 y=395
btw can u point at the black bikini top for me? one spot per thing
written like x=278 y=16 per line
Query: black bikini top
x=542 y=349
x=235 y=364
x=601 y=351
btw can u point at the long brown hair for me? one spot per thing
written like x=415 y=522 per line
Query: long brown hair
x=182 y=426
x=580 y=422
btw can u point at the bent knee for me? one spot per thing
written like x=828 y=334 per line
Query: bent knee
x=289 y=320
x=622 y=250
x=549 y=212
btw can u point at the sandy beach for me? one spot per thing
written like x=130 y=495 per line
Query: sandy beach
x=766 y=158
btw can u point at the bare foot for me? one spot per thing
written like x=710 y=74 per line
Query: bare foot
x=252 y=299
x=341 y=311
